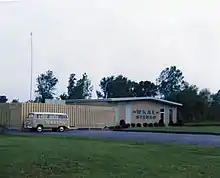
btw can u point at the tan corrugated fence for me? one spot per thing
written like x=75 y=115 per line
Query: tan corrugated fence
x=81 y=116
x=4 y=114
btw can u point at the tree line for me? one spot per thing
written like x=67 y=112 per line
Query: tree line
x=198 y=104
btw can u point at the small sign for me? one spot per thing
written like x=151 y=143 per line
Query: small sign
x=145 y=114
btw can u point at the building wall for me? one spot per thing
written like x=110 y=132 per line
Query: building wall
x=12 y=115
x=121 y=111
x=125 y=111
x=81 y=116
x=145 y=112
x=4 y=115
x=15 y=115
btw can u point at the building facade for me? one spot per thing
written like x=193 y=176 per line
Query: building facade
x=137 y=109
x=12 y=115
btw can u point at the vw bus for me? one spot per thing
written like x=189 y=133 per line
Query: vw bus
x=47 y=120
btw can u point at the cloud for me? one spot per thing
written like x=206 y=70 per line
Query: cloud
x=100 y=37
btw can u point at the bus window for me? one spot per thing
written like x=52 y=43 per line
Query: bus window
x=62 y=116
x=31 y=115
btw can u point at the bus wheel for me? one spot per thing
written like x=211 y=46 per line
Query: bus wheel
x=61 y=129
x=39 y=128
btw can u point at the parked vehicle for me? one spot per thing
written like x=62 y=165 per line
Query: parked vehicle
x=47 y=120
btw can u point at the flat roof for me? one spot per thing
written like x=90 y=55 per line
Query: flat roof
x=123 y=100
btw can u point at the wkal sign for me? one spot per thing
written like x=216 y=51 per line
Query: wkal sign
x=145 y=114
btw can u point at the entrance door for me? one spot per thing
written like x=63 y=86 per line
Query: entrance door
x=128 y=113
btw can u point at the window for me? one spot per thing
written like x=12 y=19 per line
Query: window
x=162 y=110
x=47 y=115
x=50 y=116
x=55 y=116
x=40 y=115
x=62 y=116
x=162 y=114
x=170 y=115
x=31 y=115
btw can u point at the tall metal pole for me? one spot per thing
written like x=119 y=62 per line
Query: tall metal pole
x=31 y=84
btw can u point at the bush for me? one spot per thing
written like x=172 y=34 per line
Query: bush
x=117 y=127
x=171 y=123
x=150 y=125
x=138 y=125
x=132 y=124
x=179 y=123
x=145 y=124
x=125 y=126
x=161 y=123
x=111 y=127
x=128 y=125
x=156 y=124
x=3 y=129
x=122 y=122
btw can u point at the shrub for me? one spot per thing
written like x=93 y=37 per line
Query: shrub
x=179 y=122
x=125 y=126
x=132 y=124
x=161 y=123
x=171 y=123
x=111 y=127
x=150 y=125
x=156 y=124
x=145 y=124
x=122 y=122
x=138 y=125
x=128 y=125
x=117 y=127
x=3 y=128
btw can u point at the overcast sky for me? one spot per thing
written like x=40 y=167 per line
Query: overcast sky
x=136 y=38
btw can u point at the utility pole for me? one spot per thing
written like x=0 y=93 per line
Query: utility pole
x=31 y=84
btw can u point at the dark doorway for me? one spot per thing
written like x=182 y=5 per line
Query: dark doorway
x=122 y=122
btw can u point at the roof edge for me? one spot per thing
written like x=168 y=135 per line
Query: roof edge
x=123 y=100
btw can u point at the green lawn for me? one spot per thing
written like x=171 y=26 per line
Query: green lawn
x=213 y=129
x=44 y=156
x=202 y=123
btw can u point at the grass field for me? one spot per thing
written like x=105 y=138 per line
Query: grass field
x=44 y=156
x=202 y=123
x=213 y=129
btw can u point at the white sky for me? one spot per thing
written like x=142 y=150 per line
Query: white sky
x=136 y=38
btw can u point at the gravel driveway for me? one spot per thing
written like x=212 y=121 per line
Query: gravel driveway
x=208 y=140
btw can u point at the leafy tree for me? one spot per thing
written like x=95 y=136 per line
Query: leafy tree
x=194 y=107
x=105 y=84
x=216 y=97
x=120 y=86
x=170 y=81
x=15 y=101
x=64 y=96
x=79 y=89
x=72 y=86
x=99 y=94
x=46 y=85
x=115 y=87
x=3 y=99
x=206 y=95
x=214 y=109
x=145 y=88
